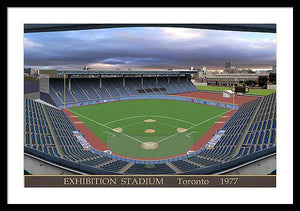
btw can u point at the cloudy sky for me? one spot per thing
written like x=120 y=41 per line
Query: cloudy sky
x=149 y=48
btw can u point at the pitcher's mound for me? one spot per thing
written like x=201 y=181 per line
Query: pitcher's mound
x=149 y=145
x=149 y=131
x=118 y=130
x=181 y=130
x=149 y=120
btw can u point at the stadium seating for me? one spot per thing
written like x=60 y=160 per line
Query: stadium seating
x=37 y=133
x=143 y=169
x=261 y=133
x=87 y=89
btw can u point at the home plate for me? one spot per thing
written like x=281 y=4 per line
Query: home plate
x=149 y=145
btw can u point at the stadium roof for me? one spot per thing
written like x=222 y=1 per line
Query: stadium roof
x=269 y=28
x=125 y=72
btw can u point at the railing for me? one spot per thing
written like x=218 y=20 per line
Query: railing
x=162 y=97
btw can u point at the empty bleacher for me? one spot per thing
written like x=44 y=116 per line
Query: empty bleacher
x=262 y=131
x=87 y=89
x=144 y=169
x=37 y=134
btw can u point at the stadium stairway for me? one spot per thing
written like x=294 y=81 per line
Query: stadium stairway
x=194 y=163
x=245 y=132
x=105 y=163
x=174 y=168
x=125 y=168
x=56 y=141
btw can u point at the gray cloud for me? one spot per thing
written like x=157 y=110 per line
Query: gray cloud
x=146 y=48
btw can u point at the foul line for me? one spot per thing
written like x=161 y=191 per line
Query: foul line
x=106 y=126
x=149 y=116
x=112 y=135
x=193 y=126
x=188 y=135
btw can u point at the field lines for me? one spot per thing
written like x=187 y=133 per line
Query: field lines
x=112 y=135
x=189 y=135
x=130 y=125
x=166 y=124
x=200 y=123
x=146 y=116
x=125 y=126
x=106 y=126
x=131 y=137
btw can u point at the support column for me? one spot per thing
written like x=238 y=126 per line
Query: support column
x=123 y=81
x=100 y=81
x=156 y=79
x=142 y=81
x=168 y=79
x=69 y=80
x=64 y=90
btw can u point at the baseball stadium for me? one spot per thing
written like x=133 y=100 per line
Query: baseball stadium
x=144 y=122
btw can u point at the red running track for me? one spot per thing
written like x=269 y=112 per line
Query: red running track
x=240 y=100
x=86 y=132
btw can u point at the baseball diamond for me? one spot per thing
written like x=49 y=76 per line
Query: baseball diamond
x=173 y=119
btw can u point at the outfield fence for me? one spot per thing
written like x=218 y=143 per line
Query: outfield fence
x=154 y=97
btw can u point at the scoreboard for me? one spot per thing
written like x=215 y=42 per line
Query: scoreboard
x=240 y=89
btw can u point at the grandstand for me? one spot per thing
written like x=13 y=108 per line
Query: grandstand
x=49 y=134
x=85 y=86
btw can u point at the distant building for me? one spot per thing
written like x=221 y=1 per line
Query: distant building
x=245 y=71
x=227 y=65
x=29 y=71
x=201 y=75
x=230 y=69
x=232 y=78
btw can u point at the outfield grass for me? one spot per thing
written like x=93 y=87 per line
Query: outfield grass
x=130 y=115
x=261 y=92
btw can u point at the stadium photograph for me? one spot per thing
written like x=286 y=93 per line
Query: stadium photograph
x=149 y=100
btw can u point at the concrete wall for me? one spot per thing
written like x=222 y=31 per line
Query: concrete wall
x=271 y=86
x=31 y=87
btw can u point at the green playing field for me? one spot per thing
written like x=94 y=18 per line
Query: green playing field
x=149 y=128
